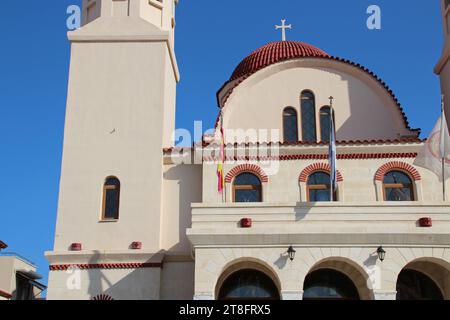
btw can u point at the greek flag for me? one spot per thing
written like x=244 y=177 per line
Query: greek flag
x=332 y=157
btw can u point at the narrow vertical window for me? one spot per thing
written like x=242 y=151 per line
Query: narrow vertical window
x=325 y=123
x=308 y=106
x=290 y=125
x=111 y=199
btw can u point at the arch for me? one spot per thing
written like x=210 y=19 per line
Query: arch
x=352 y=270
x=437 y=270
x=303 y=178
x=397 y=165
x=290 y=125
x=247 y=263
x=251 y=168
x=329 y=284
x=308 y=115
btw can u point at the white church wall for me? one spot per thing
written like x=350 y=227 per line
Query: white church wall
x=119 y=284
x=182 y=186
x=363 y=108
x=177 y=282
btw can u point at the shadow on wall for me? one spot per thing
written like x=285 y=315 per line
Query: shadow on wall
x=188 y=178
x=360 y=111
x=137 y=284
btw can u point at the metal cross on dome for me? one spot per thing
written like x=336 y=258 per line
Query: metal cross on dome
x=283 y=28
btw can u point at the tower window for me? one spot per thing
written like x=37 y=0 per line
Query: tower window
x=398 y=186
x=308 y=105
x=325 y=123
x=111 y=199
x=290 y=125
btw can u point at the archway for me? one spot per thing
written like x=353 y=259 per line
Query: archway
x=248 y=284
x=247 y=279
x=424 y=279
x=329 y=284
x=337 y=278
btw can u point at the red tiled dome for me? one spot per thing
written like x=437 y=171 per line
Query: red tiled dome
x=275 y=52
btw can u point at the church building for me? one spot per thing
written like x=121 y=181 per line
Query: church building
x=139 y=218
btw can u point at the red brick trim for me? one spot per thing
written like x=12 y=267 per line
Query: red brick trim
x=349 y=156
x=317 y=167
x=5 y=294
x=64 y=267
x=252 y=168
x=402 y=166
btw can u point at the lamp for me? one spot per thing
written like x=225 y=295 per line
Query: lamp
x=381 y=253
x=291 y=253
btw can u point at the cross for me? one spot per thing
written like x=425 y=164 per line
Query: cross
x=283 y=28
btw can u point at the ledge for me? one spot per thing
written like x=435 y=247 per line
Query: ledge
x=98 y=256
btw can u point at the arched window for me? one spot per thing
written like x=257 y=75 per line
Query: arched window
x=414 y=285
x=398 y=186
x=318 y=187
x=325 y=123
x=248 y=284
x=290 y=125
x=308 y=105
x=247 y=188
x=328 y=284
x=111 y=199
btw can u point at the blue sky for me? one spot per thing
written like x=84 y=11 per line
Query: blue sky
x=212 y=38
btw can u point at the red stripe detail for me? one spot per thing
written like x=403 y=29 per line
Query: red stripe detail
x=128 y=265
x=317 y=167
x=252 y=168
x=397 y=165
x=350 y=156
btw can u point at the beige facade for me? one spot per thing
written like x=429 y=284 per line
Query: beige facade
x=176 y=237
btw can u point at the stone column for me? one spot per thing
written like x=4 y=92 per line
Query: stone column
x=292 y=295
x=385 y=295
x=204 y=296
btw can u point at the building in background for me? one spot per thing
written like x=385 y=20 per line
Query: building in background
x=18 y=278
x=141 y=219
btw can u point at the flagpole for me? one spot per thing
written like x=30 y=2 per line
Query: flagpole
x=443 y=132
x=331 y=169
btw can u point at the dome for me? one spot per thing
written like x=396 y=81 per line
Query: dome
x=275 y=52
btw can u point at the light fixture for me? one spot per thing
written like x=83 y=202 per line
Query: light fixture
x=291 y=253
x=381 y=253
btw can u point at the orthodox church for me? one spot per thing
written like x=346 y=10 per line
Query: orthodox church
x=139 y=218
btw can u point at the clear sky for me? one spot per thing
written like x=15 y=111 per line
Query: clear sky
x=212 y=38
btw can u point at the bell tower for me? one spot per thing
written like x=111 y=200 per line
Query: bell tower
x=120 y=113
x=443 y=66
